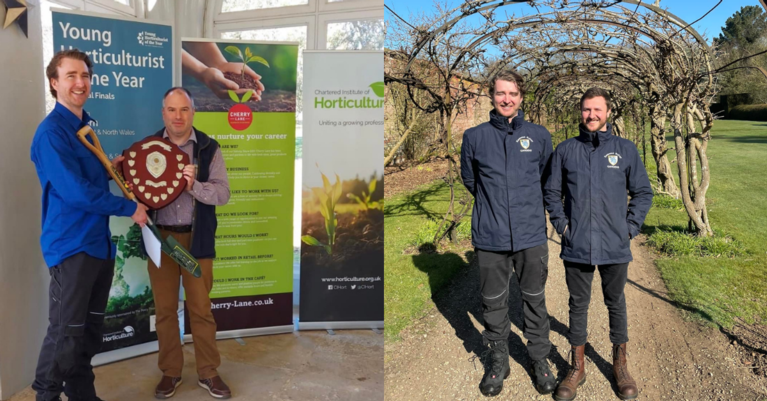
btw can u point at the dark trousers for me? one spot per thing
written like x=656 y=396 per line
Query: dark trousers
x=531 y=268
x=579 y=277
x=78 y=296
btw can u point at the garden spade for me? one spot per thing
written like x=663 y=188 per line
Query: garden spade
x=168 y=245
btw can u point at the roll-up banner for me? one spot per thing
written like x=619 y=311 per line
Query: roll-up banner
x=254 y=122
x=132 y=68
x=342 y=258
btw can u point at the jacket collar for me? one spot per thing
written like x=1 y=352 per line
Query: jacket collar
x=595 y=137
x=502 y=123
x=71 y=118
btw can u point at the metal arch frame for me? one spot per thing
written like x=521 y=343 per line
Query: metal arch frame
x=471 y=8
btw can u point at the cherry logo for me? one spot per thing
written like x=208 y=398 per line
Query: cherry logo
x=240 y=116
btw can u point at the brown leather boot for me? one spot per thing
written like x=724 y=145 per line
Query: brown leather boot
x=567 y=389
x=627 y=387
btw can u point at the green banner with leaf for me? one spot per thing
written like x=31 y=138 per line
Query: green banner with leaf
x=254 y=122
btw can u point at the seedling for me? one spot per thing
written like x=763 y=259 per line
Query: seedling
x=364 y=201
x=245 y=59
x=245 y=96
x=328 y=196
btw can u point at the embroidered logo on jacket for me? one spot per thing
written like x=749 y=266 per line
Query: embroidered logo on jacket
x=525 y=142
x=613 y=159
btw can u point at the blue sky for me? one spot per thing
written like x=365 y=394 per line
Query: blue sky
x=688 y=10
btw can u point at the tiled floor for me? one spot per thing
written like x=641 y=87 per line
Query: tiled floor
x=307 y=365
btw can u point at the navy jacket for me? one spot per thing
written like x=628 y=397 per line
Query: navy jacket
x=501 y=165
x=76 y=202
x=204 y=222
x=594 y=172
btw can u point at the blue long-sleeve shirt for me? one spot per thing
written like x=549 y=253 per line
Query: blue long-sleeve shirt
x=76 y=201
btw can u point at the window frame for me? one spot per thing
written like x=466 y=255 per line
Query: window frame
x=326 y=19
x=250 y=25
x=260 y=13
x=346 y=5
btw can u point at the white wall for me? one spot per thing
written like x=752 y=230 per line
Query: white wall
x=23 y=274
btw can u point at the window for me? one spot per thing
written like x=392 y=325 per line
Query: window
x=356 y=35
x=244 y=5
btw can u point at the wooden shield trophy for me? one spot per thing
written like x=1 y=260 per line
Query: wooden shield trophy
x=155 y=168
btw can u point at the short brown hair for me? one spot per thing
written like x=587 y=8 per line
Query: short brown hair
x=598 y=92
x=52 y=71
x=510 y=76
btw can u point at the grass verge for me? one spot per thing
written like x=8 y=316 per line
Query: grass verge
x=413 y=276
x=722 y=278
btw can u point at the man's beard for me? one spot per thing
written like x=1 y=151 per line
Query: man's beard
x=602 y=125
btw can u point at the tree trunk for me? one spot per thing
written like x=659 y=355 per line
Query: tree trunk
x=402 y=140
x=682 y=148
x=619 y=126
x=659 y=148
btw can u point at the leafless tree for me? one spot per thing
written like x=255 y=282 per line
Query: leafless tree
x=653 y=62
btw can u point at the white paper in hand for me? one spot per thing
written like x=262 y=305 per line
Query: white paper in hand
x=152 y=245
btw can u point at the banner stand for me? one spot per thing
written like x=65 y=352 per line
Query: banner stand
x=132 y=68
x=342 y=258
x=263 y=331
x=340 y=325
x=125 y=353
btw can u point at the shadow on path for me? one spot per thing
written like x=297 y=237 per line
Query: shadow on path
x=460 y=300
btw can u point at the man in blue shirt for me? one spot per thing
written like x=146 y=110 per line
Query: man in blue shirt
x=75 y=240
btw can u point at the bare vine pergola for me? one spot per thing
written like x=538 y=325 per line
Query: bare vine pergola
x=658 y=68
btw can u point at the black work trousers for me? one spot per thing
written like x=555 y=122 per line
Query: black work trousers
x=531 y=268
x=78 y=296
x=579 y=277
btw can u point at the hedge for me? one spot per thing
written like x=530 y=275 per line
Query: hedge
x=749 y=112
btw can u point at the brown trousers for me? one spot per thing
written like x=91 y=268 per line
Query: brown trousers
x=165 y=287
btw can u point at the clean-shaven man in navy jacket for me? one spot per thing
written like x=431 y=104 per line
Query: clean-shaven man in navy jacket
x=502 y=161
x=596 y=172
x=75 y=240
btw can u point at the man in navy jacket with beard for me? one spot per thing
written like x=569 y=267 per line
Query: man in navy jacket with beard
x=501 y=165
x=594 y=172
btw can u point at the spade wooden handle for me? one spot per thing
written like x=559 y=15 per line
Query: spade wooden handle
x=82 y=135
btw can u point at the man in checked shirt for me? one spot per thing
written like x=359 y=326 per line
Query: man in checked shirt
x=190 y=219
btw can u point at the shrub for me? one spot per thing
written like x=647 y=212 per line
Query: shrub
x=678 y=243
x=750 y=112
x=667 y=202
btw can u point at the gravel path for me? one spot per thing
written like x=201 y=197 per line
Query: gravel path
x=671 y=359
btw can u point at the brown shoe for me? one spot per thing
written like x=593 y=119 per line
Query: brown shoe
x=216 y=387
x=567 y=389
x=167 y=387
x=627 y=387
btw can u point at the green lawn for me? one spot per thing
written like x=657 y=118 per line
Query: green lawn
x=720 y=289
x=412 y=278
x=714 y=289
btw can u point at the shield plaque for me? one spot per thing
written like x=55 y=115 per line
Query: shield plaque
x=155 y=168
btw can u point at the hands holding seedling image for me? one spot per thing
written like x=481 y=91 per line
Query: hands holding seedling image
x=205 y=62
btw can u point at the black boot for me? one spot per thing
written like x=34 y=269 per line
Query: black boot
x=544 y=379
x=496 y=368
